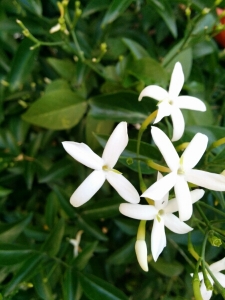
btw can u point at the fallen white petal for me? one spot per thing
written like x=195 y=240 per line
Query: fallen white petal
x=88 y=188
x=211 y=181
x=115 y=144
x=159 y=189
x=142 y=254
x=176 y=81
x=194 y=151
x=123 y=187
x=183 y=197
x=188 y=102
x=158 y=238
x=175 y=224
x=154 y=92
x=138 y=211
x=82 y=153
x=178 y=123
x=173 y=206
x=166 y=148
x=218 y=266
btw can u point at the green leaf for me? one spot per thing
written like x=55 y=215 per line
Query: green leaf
x=103 y=209
x=64 y=67
x=95 y=288
x=124 y=255
x=27 y=270
x=51 y=209
x=63 y=199
x=53 y=242
x=11 y=254
x=177 y=54
x=71 y=286
x=136 y=49
x=8 y=233
x=22 y=64
x=94 y=6
x=165 y=11
x=33 y=6
x=4 y=192
x=121 y=106
x=82 y=259
x=61 y=109
x=91 y=228
x=167 y=268
x=128 y=226
x=116 y=8
x=42 y=286
x=149 y=71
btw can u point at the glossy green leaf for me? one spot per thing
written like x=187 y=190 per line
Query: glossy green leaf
x=116 y=8
x=64 y=202
x=164 y=9
x=94 y=6
x=11 y=254
x=95 y=288
x=136 y=49
x=149 y=71
x=71 y=286
x=8 y=233
x=27 y=270
x=33 y=6
x=64 y=67
x=54 y=240
x=82 y=259
x=128 y=226
x=103 y=209
x=51 y=209
x=22 y=64
x=61 y=109
x=178 y=54
x=167 y=268
x=42 y=286
x=121 y=106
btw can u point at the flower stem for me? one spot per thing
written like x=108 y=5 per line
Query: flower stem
x=191 y=248
x=196 y=282
x=141 y=230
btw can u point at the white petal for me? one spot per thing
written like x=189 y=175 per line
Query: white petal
x=115 y=145
x=164 y=201
x=173 y=205
x=138 y=211
x=123 y=187
x=154 y=92
x=175 y=224
x=221 y=278
x=142 y=254
x=206 y=295
x=194 y=151
x=158 y=238
x=88 y=188
x=211 y=181
x=160 y=188
x=189 y=102
x=82 y=153
x=218 y=266
x=178 y=123
x=183 y=197
x=164 y=110
x=177 y=81
x=166 y=148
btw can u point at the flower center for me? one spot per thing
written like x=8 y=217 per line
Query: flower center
x=180 y=170
x=107 y=169
x=159 y=215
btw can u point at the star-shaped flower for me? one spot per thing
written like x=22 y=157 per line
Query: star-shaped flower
x=170 y=102
x=103 y=168
x=215 y=269
x=182 y=172
x=162 y=214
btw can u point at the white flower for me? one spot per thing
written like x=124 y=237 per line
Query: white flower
x=162 y=214
x=182 y=172
x=170 y=103
x=215 y=269
x=103 y=168
x=142 y=253
x=76 y=242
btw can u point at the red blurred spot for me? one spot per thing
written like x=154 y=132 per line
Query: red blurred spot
x=220 y=38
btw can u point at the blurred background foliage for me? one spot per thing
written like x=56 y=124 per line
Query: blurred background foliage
x=65 y=86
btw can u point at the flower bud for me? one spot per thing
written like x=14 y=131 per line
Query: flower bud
x=142 y=254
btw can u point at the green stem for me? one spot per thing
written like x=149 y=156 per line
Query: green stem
x=203 y=216
x=141 y=230
x=191 y=249
x=196 y=282
x=212 y=208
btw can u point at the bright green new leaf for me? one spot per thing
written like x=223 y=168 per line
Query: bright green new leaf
x=61 y=109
